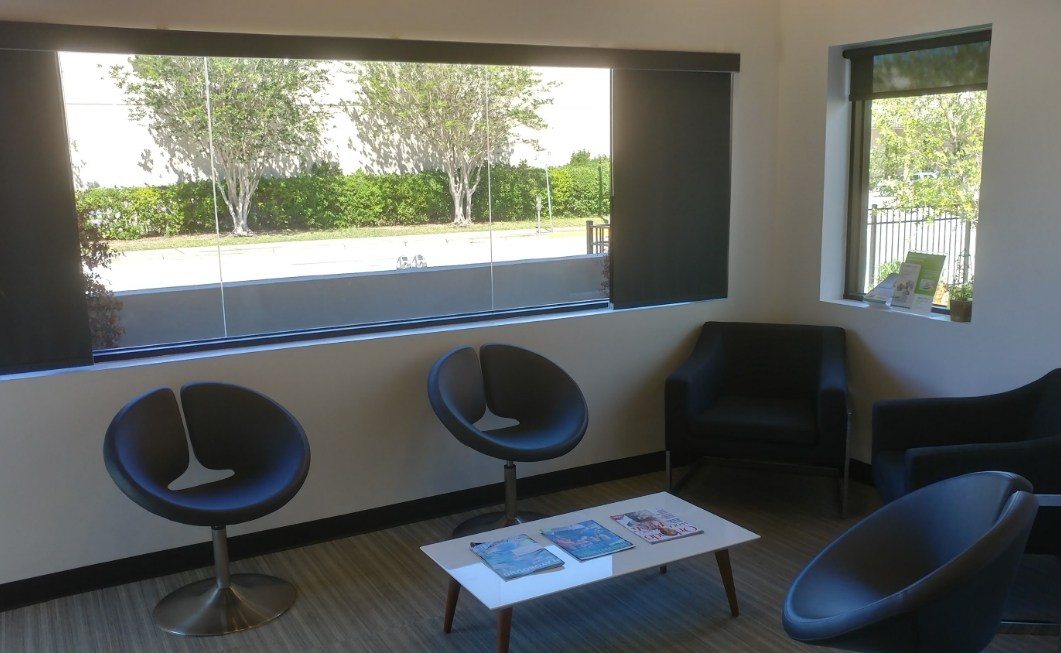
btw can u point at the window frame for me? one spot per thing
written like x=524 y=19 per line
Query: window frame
x=860 y=142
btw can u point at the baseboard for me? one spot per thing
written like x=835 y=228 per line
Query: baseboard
x=857 y=470
x=160 y=563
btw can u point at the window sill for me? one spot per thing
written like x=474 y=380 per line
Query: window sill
x=853 y=303
x=290 y=341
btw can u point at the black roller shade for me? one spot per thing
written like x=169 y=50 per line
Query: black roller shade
x=946 y=64
x=43 y=316
x=671 y=180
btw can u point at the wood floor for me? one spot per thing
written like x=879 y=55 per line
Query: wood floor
x=378 y=592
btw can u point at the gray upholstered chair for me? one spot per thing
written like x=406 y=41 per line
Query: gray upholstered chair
x=917 y=442
x=764 y=392
x=230 y=427
x=928 y=572
x=517 y=384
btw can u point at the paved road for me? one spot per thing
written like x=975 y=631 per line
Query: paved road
x=164 y=268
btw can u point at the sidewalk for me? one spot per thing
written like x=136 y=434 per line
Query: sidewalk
x=165 y=268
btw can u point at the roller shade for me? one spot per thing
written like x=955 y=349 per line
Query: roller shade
x=43 y=316
x=938 y=65
x=671 y=186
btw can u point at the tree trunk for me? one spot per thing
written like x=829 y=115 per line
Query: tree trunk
x=456 y=192
x=458 y=205
x=470 y=188
x=239 y=187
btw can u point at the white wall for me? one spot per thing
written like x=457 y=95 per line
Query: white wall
x=363 y=401
x=1014 y=334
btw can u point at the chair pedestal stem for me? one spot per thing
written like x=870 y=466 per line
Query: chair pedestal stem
x=220 y=539
x=491 y=520
x=510 y=493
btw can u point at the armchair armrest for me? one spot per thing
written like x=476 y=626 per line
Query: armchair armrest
x=694 y=385
x=1037 y=460
x=832 y=385
x=902 y=424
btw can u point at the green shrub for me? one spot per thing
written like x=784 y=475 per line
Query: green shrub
x=514 y=189
x=325 y=198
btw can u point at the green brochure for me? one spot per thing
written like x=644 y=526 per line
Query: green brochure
x=918 y=277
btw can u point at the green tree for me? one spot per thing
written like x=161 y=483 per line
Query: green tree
x=263 y=116
x=580 y=158
x=448 y=115
x=927 y=150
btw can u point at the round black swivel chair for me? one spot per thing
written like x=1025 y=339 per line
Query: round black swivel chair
x=230 y=428
x=516 y=384
x=928 y=572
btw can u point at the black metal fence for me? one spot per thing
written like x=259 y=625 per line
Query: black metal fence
x=597 y=237
x=892 y=232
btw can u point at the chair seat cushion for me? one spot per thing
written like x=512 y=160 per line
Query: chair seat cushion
x=758 y=419
x=529 y=442
x=889 y=474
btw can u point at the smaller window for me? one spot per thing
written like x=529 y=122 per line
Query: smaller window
x=917 y=134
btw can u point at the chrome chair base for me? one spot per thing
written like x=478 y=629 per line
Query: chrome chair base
x=204 y=609
x=491 y=520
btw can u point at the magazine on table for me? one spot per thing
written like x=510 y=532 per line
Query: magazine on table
x=656 y=525
x=587 y=540
x=516 y=556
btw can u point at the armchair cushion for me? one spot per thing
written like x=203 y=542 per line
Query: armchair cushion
x=758 y=419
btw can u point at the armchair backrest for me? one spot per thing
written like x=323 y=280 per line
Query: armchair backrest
x=771 y=360
x=1046 y=416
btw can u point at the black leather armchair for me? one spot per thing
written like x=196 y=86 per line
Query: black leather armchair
x=917 y=442
x=772 y=392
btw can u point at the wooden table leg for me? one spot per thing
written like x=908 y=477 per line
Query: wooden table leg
x=451 y=604
x=726 y=571
x=504 y=629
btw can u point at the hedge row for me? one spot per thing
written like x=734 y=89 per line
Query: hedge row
x=328 y=199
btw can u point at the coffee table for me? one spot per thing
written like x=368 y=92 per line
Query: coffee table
x=468 y=571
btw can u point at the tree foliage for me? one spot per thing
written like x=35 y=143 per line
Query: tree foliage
x=453 y=116
x=928 y=150
x=264 y=116
x=104 y=309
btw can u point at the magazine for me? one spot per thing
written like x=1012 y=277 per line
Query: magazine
x=656 y=525
x=587 y=540
x=516 y=556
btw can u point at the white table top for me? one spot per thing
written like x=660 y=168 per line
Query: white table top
x=464 y=566
x=1051 y=500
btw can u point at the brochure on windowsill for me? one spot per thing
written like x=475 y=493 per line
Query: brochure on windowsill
x=882 y=292
x=587 y=540
x=918 y=278
x=654 y=526
x=516 y=556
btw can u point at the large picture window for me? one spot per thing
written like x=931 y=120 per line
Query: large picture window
x=918 y=110
x=242 y=196
x=211 y=190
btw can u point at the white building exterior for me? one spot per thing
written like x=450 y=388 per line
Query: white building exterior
x=110 y=149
